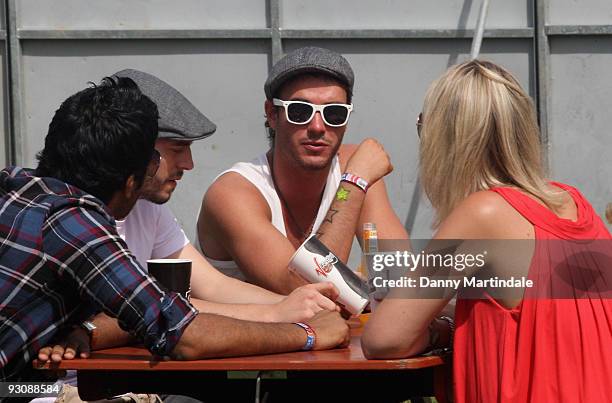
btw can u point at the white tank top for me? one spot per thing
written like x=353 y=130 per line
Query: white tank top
x=258 y=173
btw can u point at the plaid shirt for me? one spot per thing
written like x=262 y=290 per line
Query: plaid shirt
x=61 y=260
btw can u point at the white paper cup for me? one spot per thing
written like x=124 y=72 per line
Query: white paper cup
x=315 y=263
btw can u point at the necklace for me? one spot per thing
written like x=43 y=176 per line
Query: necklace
x=306 y=233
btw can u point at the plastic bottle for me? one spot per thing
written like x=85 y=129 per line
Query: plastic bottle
x=370 y=245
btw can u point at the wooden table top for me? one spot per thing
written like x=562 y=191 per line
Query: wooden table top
x=351 y=358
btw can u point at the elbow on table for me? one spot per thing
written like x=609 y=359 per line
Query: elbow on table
x=185 y=351
x=377 y=347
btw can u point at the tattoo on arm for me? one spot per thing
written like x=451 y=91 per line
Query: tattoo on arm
x=330 y=215
x=342 y=194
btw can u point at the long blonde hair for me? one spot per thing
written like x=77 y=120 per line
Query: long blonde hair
x=479 y=131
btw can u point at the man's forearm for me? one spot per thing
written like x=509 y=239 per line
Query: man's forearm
x=211 y=335
x=241 y=293
x=254 y=312
x=367 y=165
x=209 y=284
x=108 y=333
x=285 y=282
x=338 y=228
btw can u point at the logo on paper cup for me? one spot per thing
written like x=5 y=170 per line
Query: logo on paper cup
x=326 y=265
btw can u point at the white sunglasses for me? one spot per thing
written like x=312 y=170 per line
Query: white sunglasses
x=301 y=113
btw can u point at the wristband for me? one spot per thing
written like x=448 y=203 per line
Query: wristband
x=451 y=327
x=355 y=180
x=311 y=336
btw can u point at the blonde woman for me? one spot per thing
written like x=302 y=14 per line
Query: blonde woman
x=482 y=170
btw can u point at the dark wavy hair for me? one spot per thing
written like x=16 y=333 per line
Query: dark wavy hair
x=99 y=137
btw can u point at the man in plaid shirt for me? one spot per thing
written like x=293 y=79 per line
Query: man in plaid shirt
x=61 y=259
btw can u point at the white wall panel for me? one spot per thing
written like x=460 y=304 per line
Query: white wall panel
x=142 y=14
x=386 y=14
x=580 y=12
x=581 y=123
x=222 y=78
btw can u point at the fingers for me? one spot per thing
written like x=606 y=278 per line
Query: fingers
x=76 y=346
x=84 y=349
x=326 y=303
x=76 y=342
x=307 y=301
x=324 y=296
x=327 y=289
x=70 y=352
x=45 y=353
x=57 y=353
x=370 y=161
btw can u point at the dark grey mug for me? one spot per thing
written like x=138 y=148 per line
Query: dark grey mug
x=172 y=274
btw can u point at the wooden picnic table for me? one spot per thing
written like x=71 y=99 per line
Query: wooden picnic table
x=294 y=375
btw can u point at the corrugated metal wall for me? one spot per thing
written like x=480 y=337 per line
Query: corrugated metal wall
x=218 y=52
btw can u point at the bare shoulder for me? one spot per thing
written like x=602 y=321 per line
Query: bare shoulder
x=233 y=215
x=484 y=205
x=485 y=214
x=232 y=192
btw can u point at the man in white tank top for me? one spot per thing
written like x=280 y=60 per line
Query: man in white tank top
x=256 y=214
x=151 y=230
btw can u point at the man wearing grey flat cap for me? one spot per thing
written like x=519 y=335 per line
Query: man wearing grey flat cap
x=308 y=182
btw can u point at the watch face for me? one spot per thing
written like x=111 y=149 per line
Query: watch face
x=89 y=326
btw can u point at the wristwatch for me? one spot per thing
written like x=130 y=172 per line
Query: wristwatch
x=434 y=335
x=90 y=328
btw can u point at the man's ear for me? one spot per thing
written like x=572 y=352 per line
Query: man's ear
x=131 y=187
x=124 y=199
x=271 y=114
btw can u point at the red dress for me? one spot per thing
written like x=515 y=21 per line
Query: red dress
x=545 y=349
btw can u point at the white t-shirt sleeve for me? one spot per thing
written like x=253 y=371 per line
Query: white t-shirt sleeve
x=170 y=237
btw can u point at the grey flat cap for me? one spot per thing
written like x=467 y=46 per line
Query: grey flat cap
x=309 y=60
x=178 y=118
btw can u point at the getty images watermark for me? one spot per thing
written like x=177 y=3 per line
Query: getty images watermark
x=459 y=262
x=491 y=268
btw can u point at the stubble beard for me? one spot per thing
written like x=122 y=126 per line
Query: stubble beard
x=157 y=198
x=306 y=164
x=157 y=195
